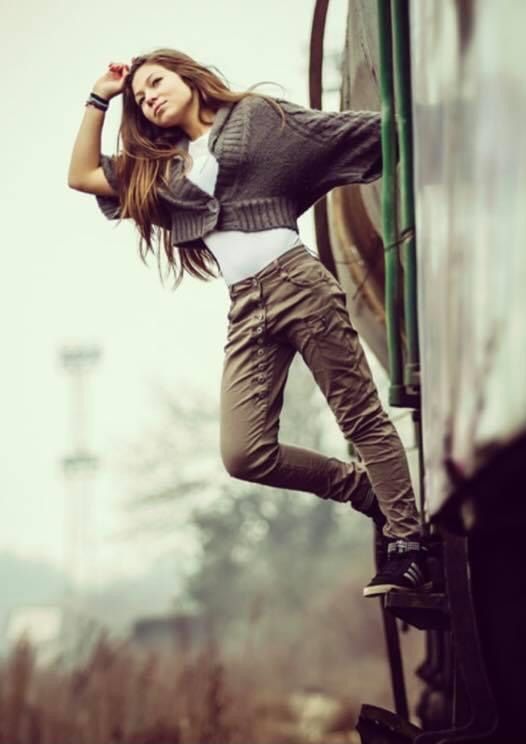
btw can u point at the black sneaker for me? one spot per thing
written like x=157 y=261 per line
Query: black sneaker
x=405 y=569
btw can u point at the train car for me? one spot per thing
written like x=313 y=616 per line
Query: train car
x=433 y=260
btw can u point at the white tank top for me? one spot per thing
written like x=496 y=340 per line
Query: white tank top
x=239 y=254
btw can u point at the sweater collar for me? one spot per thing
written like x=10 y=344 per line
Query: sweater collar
x=219 y=122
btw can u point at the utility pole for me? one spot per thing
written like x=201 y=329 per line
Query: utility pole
x=79 y=469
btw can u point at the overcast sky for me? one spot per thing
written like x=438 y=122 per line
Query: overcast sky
x=71 y=276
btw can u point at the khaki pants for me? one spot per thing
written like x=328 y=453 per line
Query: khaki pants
x=295 y=304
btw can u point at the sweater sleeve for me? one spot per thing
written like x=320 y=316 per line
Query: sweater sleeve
x=109 y=205
x=337 y=148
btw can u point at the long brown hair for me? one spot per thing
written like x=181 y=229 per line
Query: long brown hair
x=144 y=161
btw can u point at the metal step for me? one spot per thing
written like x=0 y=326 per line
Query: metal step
x=425 y=611
x=379 y=726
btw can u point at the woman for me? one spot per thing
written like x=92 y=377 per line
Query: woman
x=222 y=176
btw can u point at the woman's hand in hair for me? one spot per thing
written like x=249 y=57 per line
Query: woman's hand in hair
x=112 y=82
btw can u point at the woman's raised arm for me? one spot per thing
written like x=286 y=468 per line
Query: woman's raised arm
x=85 y=172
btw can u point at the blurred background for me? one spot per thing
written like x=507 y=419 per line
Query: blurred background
x=117 y=515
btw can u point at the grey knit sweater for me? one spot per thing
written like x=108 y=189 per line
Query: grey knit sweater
x=267 y=177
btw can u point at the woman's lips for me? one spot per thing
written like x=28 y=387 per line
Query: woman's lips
x=159 y=107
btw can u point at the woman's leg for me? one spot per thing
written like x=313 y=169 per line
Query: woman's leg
x=323 y=333
x=257 y=361
x=295 y=304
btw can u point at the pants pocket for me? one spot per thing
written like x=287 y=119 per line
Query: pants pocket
x=305 y=275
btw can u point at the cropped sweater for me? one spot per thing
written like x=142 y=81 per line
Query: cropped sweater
x=268 y=176
x=239 y=254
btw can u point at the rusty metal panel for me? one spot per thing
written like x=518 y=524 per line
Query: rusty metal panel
x=355 y=211
x=469 y=108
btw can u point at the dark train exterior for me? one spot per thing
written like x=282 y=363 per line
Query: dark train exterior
x=446 y=317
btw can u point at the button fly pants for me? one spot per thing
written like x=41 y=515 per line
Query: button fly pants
x=294 y=304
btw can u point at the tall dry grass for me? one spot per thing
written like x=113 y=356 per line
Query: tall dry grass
x=122 y=696
x=296 y=685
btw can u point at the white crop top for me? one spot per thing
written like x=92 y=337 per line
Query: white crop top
x=239 y=254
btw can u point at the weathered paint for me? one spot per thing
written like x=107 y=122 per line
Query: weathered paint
x=469 y=109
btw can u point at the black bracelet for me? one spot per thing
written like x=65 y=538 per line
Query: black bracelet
x=99 y=98
x=96 y=104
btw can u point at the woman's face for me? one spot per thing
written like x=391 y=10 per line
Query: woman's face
x=163 y=97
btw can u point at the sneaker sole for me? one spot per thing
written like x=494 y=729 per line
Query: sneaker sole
x=372 y=591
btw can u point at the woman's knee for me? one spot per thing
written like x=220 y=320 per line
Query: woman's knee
x=237 y=463
x=248 y=465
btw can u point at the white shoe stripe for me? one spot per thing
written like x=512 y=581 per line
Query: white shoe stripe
x=415 y=569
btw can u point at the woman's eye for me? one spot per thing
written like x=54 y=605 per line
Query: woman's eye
x=153 y=83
